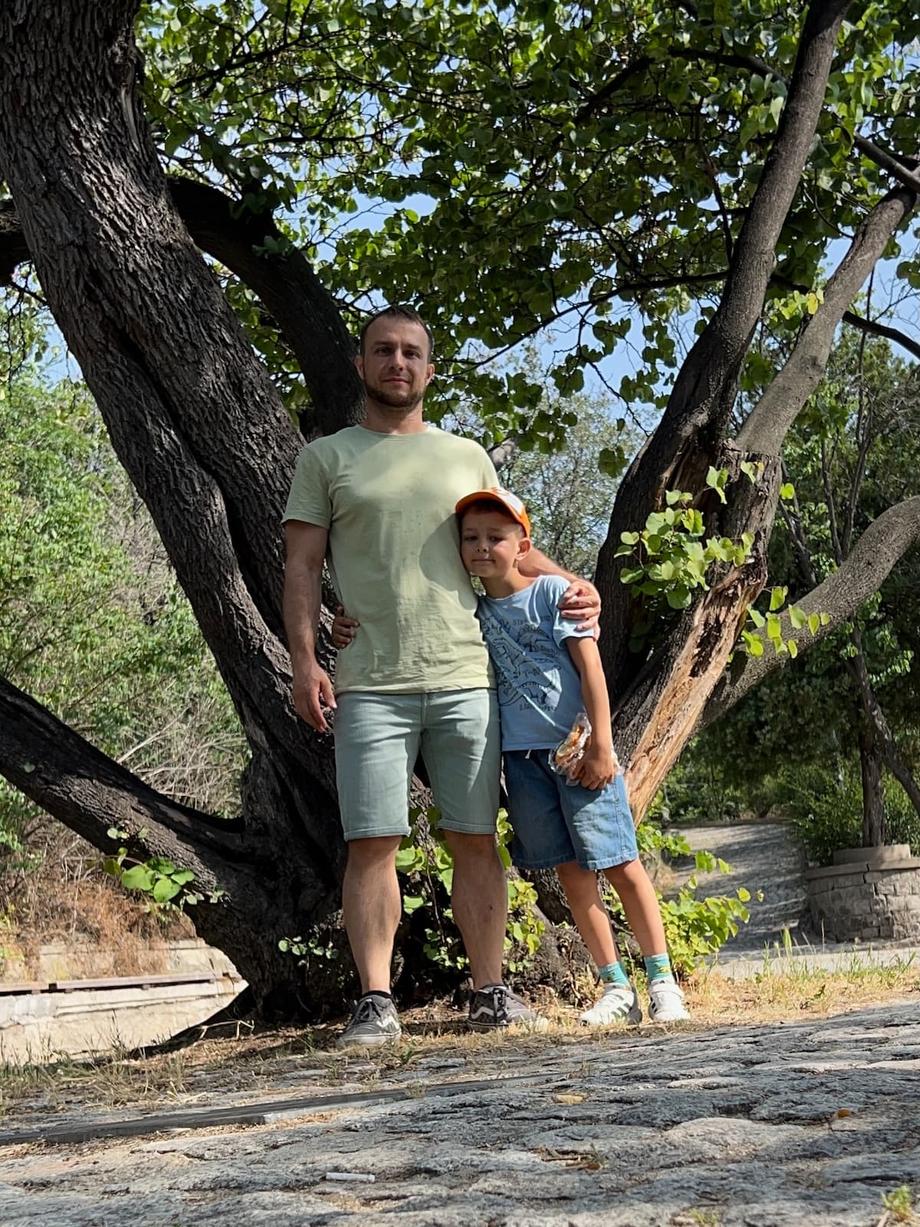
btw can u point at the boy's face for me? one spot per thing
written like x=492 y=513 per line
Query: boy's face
x=491 y=543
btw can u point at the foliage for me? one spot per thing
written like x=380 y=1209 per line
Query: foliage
x=693 y=927
x=427 y=867
x=801 y=726
x=672 y=560
x=568 y=498
x=513 y=171
x=164 y=885
x=825 y=805
x=92 y=621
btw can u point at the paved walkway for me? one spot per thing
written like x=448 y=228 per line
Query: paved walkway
x=803 y=1125
x=764 y=856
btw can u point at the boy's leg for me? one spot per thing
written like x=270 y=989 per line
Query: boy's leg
x=640 y=903
x=588 y=912
x=618 y=1002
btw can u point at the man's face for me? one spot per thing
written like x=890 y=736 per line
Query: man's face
x=394 y=364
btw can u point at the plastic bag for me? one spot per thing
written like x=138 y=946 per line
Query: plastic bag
x=570 y=751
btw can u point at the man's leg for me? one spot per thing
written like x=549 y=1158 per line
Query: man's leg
x=371 y=906
x=480 y=903
x=376 y=741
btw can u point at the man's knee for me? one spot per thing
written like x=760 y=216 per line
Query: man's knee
x=376 y=850
x=471 y=848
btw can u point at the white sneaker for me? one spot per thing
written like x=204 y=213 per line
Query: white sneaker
x=617 y=1004
x=666 y=1002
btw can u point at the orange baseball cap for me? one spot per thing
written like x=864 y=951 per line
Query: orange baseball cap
x=505 y=499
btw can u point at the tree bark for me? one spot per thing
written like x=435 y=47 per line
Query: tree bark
x=875 y=828
x=192 y=414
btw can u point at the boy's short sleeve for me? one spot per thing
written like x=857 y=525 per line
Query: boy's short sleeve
x=309 y=497
x=551 y=589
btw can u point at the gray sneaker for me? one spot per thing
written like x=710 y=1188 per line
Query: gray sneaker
x=374 y=1022
x=497 y=1006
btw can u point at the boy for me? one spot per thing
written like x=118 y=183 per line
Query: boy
x=548 y=672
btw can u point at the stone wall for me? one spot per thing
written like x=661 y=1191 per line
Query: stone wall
x=873 y=898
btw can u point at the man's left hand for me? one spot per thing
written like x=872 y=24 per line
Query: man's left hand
x=582 y=601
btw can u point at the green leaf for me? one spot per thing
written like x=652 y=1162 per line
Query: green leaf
x=777 y=597
x=787 y=491
x=138 y=877
x=796 y=617
x=165 y=889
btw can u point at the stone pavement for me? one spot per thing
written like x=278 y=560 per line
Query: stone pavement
x=764 y=856
x=805 y=1123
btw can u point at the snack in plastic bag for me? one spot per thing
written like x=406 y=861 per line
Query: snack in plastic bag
x=570 y=750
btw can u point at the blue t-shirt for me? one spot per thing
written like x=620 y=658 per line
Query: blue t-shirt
x=539 y=689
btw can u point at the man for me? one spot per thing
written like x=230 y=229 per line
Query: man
x=379 y=499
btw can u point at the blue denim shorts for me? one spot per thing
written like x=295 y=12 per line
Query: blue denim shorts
x=378 y=737
x=555 y=822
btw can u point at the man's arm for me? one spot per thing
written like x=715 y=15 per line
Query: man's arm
x=580 y=600
x=303 y=575
x=598 y=765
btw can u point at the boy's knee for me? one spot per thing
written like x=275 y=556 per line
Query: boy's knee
x=627 y=872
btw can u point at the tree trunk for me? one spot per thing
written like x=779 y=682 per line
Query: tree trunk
x=875 y=828
x=194 y=419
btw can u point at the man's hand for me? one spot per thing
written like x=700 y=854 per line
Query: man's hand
x=344 y=628
x=313 y=692
x=582 y=600
x=597 y=767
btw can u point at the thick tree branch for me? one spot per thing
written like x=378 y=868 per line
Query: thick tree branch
x=876 y=552
x=281 y=278
x=770 y=419
x=89 y=792
x=701 y=401
x=293 y=295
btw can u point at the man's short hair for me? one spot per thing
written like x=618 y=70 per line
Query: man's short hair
x=404 y=313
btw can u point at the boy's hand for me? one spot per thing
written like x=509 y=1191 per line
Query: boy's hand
x=344 y=628
x=582 y=600
x=597 y=767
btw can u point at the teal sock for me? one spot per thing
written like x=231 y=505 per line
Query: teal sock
x=613 y=973
x=658 y=967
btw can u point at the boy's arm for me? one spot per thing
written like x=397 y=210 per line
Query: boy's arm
x=303 y=572
x=598 y=765
x=580 y=600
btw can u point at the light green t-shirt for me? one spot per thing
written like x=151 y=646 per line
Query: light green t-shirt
x=388 y=502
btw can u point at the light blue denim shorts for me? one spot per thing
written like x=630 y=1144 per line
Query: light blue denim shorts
x=378 y=737
x=555 y=822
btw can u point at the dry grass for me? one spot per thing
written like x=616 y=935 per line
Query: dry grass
x=69 y=900
x=253 y=1064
